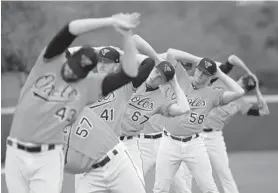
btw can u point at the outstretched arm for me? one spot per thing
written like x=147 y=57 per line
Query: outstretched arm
x=235 y=90
x=129 y=69
x=75 y=28
x=261 y=108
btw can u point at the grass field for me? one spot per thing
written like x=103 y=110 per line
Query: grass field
x=254 y=172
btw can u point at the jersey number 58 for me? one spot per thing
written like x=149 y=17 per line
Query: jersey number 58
x=196 y=118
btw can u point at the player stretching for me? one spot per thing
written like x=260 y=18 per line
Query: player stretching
x=220 y=116
x=148 y=101
x=94 y=148
x=53 y=95
x=181 y=142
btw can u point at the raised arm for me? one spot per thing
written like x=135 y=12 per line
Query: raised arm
x=235 y=90
x=261 y=108
x=182 y=105
x=75 y=28
x=129 y=69
x=184 y=56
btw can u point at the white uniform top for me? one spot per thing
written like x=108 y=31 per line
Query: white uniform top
x=201 y=101
x=47 y=103
x=155 y=124
x=218 y=117
x=142 y=105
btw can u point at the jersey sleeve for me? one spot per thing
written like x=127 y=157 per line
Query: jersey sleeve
x=217 y=96
x=164 y=108
x=92 y=85
x=244 y=106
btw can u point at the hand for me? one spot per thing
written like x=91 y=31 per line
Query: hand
x=255 y=79
x=126 y=21
x=217 y=73
x=122 y=31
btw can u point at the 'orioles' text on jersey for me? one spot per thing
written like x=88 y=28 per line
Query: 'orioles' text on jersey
x=141 y=106
x=111 y=107
x=47 y=103
x=218 y=117
x=201 y=101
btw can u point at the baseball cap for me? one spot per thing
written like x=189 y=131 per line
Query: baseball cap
x=87 y=55
x=208 y=66
x=110 y=54
x=248 y=82
x=166 y=69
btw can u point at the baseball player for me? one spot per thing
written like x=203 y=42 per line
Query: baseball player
x=220 y=116
x=147 y=101
x=53 y=95
x=92 y=152
x=181 y=141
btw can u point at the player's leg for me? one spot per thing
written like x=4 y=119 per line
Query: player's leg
x=48 y=176
x=132 y=146
x=16 y=171
x=93 y=181
x=123 y=176
x=182 y=182
x=148 y=150
x=216 y=148
x=197 y=160
x=167 y=163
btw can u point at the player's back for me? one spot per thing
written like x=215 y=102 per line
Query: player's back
x=91 y=135
x=47 y=103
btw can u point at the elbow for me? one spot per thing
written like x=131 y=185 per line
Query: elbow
x=241 y=92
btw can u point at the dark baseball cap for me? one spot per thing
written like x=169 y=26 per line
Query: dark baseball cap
x=208 y=66
x=83 y=61
x=109 y=54
x=167 y=70
x=249 y=82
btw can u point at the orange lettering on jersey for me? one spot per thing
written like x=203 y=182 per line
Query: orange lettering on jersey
x=46 y=89
x=141 y=102
x=107 y=99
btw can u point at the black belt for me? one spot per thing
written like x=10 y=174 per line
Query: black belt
x=127 y=137
x=104 y=161
x=34 y=149
x=208 y=130
x=146 y=136
x=186 y=139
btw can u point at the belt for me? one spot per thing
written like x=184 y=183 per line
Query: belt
x=149 y=136
x=182 y=139
x=126 y=137
x=208 y=130
x=33 y=149
x=105 y=160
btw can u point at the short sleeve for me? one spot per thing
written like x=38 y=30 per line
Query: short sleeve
x=92 y=85
x=217 y=96
x=164 y=109
x=244 y=106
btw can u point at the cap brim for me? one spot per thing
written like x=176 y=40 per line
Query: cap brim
x=204 y=70
x=162 y=74
x=107 y=60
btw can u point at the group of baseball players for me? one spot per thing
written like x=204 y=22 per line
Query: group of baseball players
x=110 y=115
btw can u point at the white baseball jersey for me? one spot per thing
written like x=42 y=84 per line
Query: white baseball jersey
x=201 y=101
x=142 y=105
x=47 y=103
x=218 y=117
